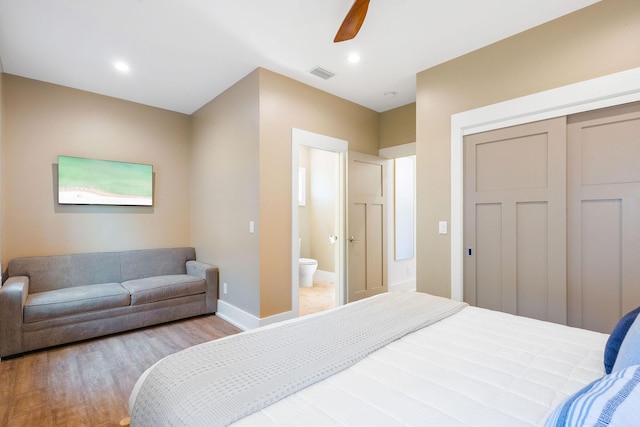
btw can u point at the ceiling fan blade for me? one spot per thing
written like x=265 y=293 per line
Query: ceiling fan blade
x=353 y=21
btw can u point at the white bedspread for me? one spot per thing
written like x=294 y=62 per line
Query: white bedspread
x=222 y=381
x=474 y=368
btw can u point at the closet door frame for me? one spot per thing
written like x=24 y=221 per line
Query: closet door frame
x=602 y=92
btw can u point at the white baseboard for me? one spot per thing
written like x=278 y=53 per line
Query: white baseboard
x=237 y=316
x=247 y=321
x=325 y=276
x=277 y=318
x=409 y=285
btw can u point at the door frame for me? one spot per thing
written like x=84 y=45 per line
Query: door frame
x=601 y=92
x=299 y=138
x=392 y=153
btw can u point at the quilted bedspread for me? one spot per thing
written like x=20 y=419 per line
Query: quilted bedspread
x=475 y=368
x=219 y=382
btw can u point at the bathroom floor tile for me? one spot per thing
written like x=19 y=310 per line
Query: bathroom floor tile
x=319 y=297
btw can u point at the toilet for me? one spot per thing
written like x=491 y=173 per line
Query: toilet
x=307 y=267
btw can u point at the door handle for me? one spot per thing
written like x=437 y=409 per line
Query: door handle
x=352 y=239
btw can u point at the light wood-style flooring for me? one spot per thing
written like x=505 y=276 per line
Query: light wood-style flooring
x=88 y=383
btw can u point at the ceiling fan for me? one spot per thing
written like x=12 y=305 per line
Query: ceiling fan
x=353 y=21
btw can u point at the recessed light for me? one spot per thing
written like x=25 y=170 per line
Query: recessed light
x=390 y=94
x=121 y=66
x=353 y=58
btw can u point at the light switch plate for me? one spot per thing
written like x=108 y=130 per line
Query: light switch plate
x=442 y=227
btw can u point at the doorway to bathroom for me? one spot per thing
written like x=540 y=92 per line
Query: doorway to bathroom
x=318 y=222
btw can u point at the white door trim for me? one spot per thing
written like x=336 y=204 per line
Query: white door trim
x=305 y=138
x=601 y=92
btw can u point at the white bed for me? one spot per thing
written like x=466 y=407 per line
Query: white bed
x=475 y=367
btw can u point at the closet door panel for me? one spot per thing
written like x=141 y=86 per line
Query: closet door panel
x=532 y=259
x=603 y=190
x=601 y=262
x=515 y=220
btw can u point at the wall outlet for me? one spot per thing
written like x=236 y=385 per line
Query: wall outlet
x=224 y=288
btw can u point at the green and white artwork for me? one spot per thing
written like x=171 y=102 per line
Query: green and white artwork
x=103 y=182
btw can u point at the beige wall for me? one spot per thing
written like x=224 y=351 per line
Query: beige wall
x=241 y=171
x=398 y=126
x=227 y=164
x=287 y=104
x=2 y=267
x=225 y=190
x=42 y=121
x=596 y=41
x=243 y=137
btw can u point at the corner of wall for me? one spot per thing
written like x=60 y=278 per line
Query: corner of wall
x=398 y=126
x=286 y=104
x=1 y=169
x=224 y=194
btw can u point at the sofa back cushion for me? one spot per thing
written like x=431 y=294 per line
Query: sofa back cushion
x=155 y=262
x=48 y=273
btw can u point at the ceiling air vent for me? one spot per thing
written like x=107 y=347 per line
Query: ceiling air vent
x=322 y=73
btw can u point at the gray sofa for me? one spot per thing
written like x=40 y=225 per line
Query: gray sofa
x=54 y=300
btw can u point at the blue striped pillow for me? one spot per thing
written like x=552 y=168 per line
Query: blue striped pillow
x=629 y=353
x=615 y=339
x=613 y=400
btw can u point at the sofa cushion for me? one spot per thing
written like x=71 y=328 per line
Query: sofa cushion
x=159 y=288
x=74 y=300
x=154 y=262
x=49 y=273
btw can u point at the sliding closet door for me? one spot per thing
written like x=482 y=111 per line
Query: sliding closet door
x=515 y=220
x=604 y=216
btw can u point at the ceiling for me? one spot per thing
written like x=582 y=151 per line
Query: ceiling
x=183 y=53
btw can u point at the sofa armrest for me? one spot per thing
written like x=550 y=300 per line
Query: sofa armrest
x=211 y=275
x=13 y=295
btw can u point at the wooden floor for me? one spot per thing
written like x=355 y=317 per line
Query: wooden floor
x=88 y=383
